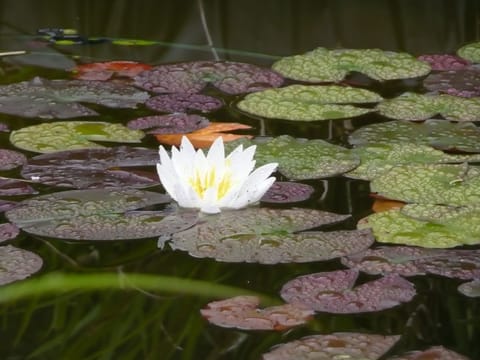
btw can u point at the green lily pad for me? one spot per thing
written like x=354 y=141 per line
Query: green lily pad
x=471 y=52
x=444 y=184
x=432 y=227
x=333 y=65
x=98 y=214
x=17 y=264
x=377 y=159
x=308 y=103
x=415 y=107
x=269 y=236
x=70 y=135
x=301 y=159
x=440 y=134
x=471 y=288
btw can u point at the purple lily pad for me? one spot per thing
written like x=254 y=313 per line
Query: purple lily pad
x=444 y=62
x=94 y=168
x=182 y=102
x=8 y=231
x=17 y=264
x=12 y=187
x=242 y=312
x=463 y=82
x=192 y=77
x=10 y=159
x=169 y=124
x=433 y=353
x=471 y=288
x=7 y=205
x=284 y=192
x=352 y=346
x=333 y=292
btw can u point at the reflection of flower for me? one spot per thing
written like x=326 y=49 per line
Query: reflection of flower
x=213 y=182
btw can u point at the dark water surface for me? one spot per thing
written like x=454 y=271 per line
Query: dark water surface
x=138 y=325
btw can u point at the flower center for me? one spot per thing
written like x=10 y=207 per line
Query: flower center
x=202 y=181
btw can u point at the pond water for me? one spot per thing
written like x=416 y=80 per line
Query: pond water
x=149 y=324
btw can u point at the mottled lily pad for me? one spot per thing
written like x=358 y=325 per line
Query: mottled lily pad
x=13 y=187
x=113 y=167
x=98 y=215
x=446 y=184
x=377 y=159
x=242 y=312
x=308 y=103
x=334 y=292
x=444 y=62
x=50 y=99
x=440 y=134
x=10 y=159
x=183 y=102
x=351 y=346
x=7 y=205
x=192 y=77
x=433 y=353
x=169 y=124
x=17 y=264
x=284 y=192
x=103 y=71
x=440 y=228
x=321 y=65
x=7 y=232
x=471 y=288
x=269 y=236
x=301 y=159
x=470 y=52
x=70 y=135
x=463 y=82
x=417 y=107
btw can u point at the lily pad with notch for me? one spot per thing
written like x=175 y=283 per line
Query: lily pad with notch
x=17 y=264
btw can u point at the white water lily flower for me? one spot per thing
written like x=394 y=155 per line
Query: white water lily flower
x=213 y=182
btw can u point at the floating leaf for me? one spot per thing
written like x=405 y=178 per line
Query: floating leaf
x=308 y=103
x=94 y=168
x=98 y=215
x=192 y=77
x=433 y=353
x=70 y=135
x=183 y=102
x=351 y=346
x=7 y=205
x=415 y=107
x=269 y=236
x=301 y=159
x=444 y=62
x=106 y=70
x=284 y=192
x=169 y=124
x=443 y=226
x=470 y=52
x=7 y=232
x=242 y=312
x=13 y=187
x=10 y=159
x=333 y=65
x=378 y=159
x=471 y=288
x=49 y=99
x=205 y=136
x=334 y=292
x=17 y=264
x=445 y=184
x=463 y=82
x=437 y=133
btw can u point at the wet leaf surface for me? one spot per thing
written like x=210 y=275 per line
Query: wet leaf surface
x=471 y=288
x=308 y=103
x=17 y=264
x=462 y=82
x=242 y=312
x=192 y=77
x=433 y=353
x=183 y=102
x=169 y=124
x=113 y=167
x=351 y=346
x=334 y=292
x=8 y=232
x=321 y=65
x=98 y=215
x=10 y=159
x=13 y=187
x=284 y=192
x=103 y=71
x=71 y=135
x=470 y=52
x=444 y=62
x=48 y=99
x=7 y=205
x=301 y=159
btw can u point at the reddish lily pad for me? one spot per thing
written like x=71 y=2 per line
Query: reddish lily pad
x=433 y=353
x=17 y=264
x=242 y=312
x=94 y=168
x=471 y=288
x=169 y=124
x=7 y=205
x=333 y=292
x=13 y=187
x=192 y=77
x=462 y=82
x=10 y=159
x=106 y=70
x=351 y=346
x=50 y=99
x=183 y=102
x=444 y=62
x=8 y=231
x=284 y=192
